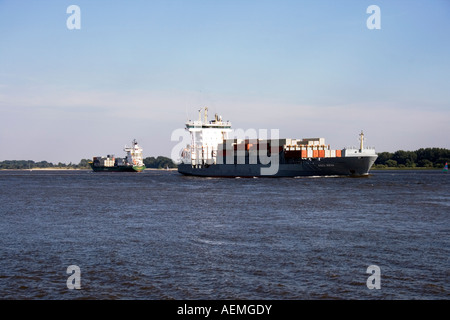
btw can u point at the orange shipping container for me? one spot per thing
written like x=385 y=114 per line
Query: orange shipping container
x=304 y=154
x=315 y=153
x=321 y=153
x=338 y=153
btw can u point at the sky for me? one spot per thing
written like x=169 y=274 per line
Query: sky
x=141 y=69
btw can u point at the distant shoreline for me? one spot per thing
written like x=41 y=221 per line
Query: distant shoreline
x=175 y=169
x=407 y=168
x=43 y=169
x=74 y=169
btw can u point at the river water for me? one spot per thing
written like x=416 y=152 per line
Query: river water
x=159 y=235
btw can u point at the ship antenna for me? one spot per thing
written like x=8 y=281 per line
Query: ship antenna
x=361 y=135
x=206 y=115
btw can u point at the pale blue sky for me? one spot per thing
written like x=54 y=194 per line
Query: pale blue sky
x=138 y=69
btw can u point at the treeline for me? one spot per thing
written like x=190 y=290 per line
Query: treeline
x=159 y=162
x=150 y=162
x=30 y=164
x=424 y=157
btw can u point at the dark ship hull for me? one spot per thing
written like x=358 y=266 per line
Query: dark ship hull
x=117 y=168
x=342 y=166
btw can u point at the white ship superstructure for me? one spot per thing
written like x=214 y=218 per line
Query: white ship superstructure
x=134 y=154
x=205 y=138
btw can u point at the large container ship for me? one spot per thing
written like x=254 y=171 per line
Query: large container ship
x=212 y=154
x=133 y=162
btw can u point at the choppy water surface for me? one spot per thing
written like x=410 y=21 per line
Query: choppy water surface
x=160 y=235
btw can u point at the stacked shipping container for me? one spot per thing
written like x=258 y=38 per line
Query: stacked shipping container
x=293 y=148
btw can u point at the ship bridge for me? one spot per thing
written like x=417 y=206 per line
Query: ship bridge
x=205 y=138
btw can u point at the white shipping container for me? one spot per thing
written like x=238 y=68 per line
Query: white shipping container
x=333 y=153
x=309 y=153
x=327 y=153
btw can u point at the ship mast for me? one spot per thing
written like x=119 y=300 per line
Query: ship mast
x=205 y=116
x=361 y=138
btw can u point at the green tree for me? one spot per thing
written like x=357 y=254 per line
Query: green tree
x=159 y=162
x=84 y=164
x=425 y=163
x=43 y=164
x=407 y=158
x=391 y=163
x=410 y=163
x=383 y=157
x=438 y=156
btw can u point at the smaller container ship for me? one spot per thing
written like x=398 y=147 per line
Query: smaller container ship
x=133 y=162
